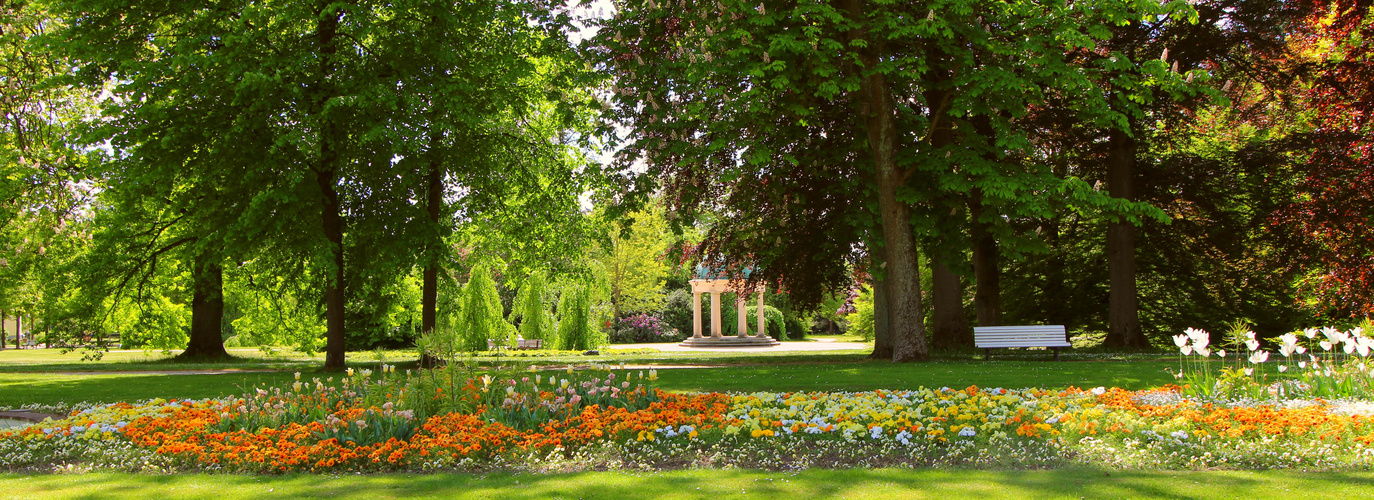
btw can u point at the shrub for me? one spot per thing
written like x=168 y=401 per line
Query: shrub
x=796 y=330
x=642 y=328
x=775 y=323
x=677 y=311
x=861 y=320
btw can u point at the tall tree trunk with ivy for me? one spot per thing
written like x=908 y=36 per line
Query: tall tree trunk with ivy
x=434 y=200
x=878 y=109
x=882 y=324
x=987 y=295
x=949 y=324
x=1123 y=310
x=325 y=177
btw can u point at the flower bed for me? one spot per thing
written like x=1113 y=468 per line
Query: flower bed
x=602 y=418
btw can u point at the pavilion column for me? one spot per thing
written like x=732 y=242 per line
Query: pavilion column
x=741 y=314
x=715 y=314
x=763 y=329
x=696 y=314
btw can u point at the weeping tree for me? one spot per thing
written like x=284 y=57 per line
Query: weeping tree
x=577 y=329
x=536 y=322
x=481 y=318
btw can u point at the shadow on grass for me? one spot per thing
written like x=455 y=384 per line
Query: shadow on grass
x=27 y=389
x=698 y=483
x=53 y=388
x=871 y=375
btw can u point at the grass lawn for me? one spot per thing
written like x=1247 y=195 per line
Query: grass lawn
x=53 y=360
x=843 y=372
x=45 y=377
x=811 y=483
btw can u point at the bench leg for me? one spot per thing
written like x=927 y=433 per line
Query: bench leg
x=1056 y=353
x=987 y=354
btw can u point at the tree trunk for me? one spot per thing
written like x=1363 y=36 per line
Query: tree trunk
x=882 y=325
x=429 y=296
x=207 y=310
x=987 y=273
x=879 y=112
x=1123 y=313
x=3 y=334
x=1054 y=290
x=331 y=220
x=949 y=323
x=19 y=330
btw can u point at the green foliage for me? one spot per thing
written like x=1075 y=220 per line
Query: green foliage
x=577 y=329
x=773 y=321
x=537 y=320
x=482 y=318
x=677 y=311
x=861 y=320
x=270 y=311
x=635 y=263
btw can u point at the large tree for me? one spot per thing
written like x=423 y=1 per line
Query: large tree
x=1330 y=220
x=747 y=99
x=293 y=133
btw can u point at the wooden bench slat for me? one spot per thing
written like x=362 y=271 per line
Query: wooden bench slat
x=997 y=337
x=1012 y=344
x=1020 y=335
x=1004 y=329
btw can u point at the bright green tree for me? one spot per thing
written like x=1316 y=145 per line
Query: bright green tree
x=536 y=321
x=635 y=264
x=481 y=318
x=577 y=327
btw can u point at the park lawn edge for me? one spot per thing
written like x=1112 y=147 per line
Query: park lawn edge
x=1074 y=482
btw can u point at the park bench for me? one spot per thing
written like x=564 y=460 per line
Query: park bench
x=520 y=344
x=994 y=337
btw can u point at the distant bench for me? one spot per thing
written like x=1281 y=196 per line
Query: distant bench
x=521 y=344
x=996 y=337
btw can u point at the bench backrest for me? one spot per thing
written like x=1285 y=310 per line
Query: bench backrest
x=986 y=337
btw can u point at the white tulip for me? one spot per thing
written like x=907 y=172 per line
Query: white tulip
x=1283 y=368
x=1252 y=344
x=1200 y=337
x=1186 y=350
x=1180 y=340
